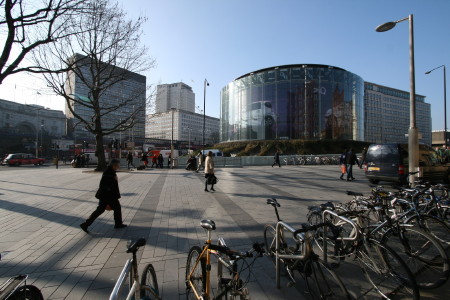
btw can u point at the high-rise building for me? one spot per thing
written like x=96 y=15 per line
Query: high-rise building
x=187 y=127
x=175 y=95
x=127 y=95
x=387 y=115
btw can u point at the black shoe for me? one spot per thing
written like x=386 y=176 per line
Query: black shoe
x=353 y=178
x=348 y=179
x=84 y=226
x=212 y=190
x=206 y=190
x=120 y=226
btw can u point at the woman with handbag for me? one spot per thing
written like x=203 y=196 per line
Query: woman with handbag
x=209 y=172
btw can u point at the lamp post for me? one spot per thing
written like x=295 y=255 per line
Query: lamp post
x=38 y=127
x=206 y=83
x=445 y=102
x=413 y=137
x=189 y=134
x=171 y=141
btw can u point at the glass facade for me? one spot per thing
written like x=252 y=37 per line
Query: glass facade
x=293 y=102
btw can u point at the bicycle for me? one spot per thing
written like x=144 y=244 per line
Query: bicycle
x=386 y=272
x=147 y=288
x=198 y=269
x=14 y=290
x=320 y=279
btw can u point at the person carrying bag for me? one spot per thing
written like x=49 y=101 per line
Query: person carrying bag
x=209 y=172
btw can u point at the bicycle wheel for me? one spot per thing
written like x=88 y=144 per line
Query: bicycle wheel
x=432 y=225
x=423 y=254
x=27 y=292
x=386 y=271
x=149 y=280
x=324 y=283
x=198 y=277
x=270 y=241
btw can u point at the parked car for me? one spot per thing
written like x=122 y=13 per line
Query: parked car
x=389 y=162
x=18 y=159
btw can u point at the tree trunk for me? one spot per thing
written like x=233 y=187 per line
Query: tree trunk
x=101 y=164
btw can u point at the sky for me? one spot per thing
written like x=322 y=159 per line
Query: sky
x=194 y=40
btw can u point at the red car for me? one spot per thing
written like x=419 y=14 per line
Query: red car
x=18 y=159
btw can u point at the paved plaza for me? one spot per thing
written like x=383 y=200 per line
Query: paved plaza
x=41 y=209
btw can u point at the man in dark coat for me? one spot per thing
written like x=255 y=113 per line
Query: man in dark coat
x=350 y=160
x=108 y=194
x=276 y=159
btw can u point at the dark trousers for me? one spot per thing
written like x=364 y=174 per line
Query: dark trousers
x=349 y=171
x=114 y=204
x=276 y=162
x=130 y=163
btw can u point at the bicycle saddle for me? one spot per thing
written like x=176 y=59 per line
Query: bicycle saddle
x=273 y=202
x=135 y=245
x=208 y=224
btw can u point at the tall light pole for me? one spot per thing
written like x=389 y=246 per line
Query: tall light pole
x=38 y=127
x=413 y=136
x=189 y=134
x=206 y=83
x=171 y=141
x=445 y=102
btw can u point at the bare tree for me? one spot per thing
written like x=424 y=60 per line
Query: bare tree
x=102 y=89
x=25 y=27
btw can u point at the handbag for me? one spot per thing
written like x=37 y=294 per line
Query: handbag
x=212 y=179
x=343 y=169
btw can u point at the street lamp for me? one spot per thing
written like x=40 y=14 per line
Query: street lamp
x=413 y=137
x=206 y=83
x=38 y=127
x=171 y=141
x=189 y=143
x=445 y=102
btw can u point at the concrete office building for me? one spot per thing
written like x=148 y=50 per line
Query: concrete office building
x=175 y=95
x=387 y=115
x=132 y=90
x=159 y=126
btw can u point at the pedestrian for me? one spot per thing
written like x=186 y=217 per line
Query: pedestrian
x=57 y=161
x=160 y=160
x=276 y=159
x=342 y=163
x=168 y=162
x=363 y=157
x=64 y=159
x=201 y=161
x=154 y=161
x=350 y=160
x=108 y=194
x=129 y=160
x=144 y=159
x=209 y=171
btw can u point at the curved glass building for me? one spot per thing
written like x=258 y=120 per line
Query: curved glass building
x=293 y=102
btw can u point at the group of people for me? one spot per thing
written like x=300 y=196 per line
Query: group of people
x=80 y=160
x=347 y=160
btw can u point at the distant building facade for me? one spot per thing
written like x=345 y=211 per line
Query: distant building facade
x=27 y=120
x=132 y=90
x=438 y=139
x=175 y=95
x=187 y=126
x=387 y=115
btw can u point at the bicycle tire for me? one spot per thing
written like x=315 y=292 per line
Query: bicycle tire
x=27 y=292
x=149 y=279
x=199 y=278
x=386 y=271
x=326 y=284
x=269 y=241
x=423 y=254
x=432 y=225
x=440 y=213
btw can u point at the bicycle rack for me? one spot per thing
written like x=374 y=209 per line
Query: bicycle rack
x=356 y=231
x=305 y=250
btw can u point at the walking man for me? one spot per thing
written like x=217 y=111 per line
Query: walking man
x=350 y=160
x=363 y=157
x=129 y=160
x=276 y=159
x=108 y=194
